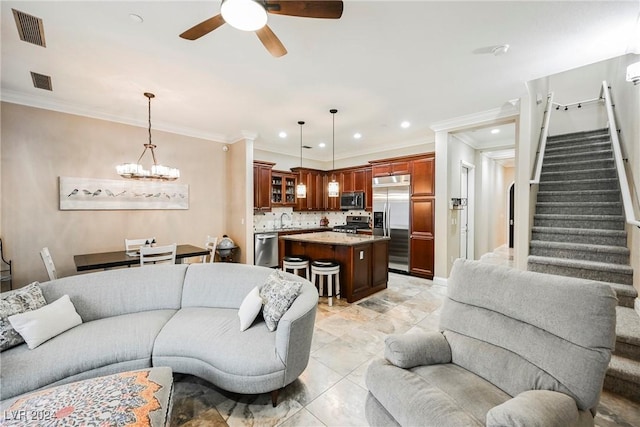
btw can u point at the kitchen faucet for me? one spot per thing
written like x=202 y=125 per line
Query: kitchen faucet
x=282 y=219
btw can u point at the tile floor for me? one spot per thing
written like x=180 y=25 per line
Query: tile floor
x=331 y=391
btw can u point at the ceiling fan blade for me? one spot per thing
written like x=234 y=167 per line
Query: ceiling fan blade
x=328 y=9
x=271 y=41
x=203 y=28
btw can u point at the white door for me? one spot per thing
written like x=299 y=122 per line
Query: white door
x=464 y=214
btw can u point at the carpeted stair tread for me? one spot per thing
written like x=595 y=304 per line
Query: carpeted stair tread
x=575 y=149
x=622 y=367
x=580 y=184
x=627 y=326
x=568 y=142
x=578 y=195
x=623 y=250
x=578 y=135
x=586 y=155
x=585 y=265
x=581 y=231
x=623 y=291
x=580 y=165
x=572 y=175
x=572 y=208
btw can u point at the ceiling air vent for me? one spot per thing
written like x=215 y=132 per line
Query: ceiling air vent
x=30 y=28
x=307 y=147
x=41 y=81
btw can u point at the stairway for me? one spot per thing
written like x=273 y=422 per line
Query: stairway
x=579 y=231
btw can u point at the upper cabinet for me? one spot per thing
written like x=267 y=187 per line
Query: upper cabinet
x=391 y=167
x=262 y=186
x=283 y=188
x=314 y=180
x=423 y=178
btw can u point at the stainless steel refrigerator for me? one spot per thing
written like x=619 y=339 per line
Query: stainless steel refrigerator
x=391 y=196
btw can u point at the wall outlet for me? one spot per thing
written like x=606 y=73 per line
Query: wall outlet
x=361 y=254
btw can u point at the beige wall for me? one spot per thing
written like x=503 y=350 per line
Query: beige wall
x=39 y=145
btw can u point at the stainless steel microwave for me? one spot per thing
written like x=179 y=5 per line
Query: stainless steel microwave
x=352 y=200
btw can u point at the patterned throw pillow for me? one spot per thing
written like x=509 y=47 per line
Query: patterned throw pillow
x=278 y=293
x=25 y=299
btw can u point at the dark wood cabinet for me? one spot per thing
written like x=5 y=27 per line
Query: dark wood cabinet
x=422 y=257
x=262 y=186
x=423 y=177
x=314 y=180
x=283 y=188
x=394 y=167
x=368 y=193
x=422 y=236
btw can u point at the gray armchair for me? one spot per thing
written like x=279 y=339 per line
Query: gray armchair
x=516 y=348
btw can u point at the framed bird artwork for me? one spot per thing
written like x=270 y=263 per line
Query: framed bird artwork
x=111 y=194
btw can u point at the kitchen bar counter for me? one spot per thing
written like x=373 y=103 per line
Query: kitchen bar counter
x=363 y=258
x=334 y=238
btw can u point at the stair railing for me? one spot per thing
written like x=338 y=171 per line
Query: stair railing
x=542 y=141
x=627 y=202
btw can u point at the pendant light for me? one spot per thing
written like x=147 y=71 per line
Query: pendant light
x=157 y=172
x=334 y=187
x=301 y=189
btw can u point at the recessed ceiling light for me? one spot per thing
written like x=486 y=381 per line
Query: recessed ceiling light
x=136 y=18
x=405 y=124
x=495 y=131
x=322 y=145
x=282 y=134
x=357 y=135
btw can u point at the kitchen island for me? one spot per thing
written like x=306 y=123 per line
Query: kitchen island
x=363 y=258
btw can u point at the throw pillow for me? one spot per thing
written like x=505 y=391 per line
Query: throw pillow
x=249 y=309
x=278 y=293
x=40 y=325
x=24 y=299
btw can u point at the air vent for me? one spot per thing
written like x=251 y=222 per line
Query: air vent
x=41 y=81
x=30 y=28
x=307 y=147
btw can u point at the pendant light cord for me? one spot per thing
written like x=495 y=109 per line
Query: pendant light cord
x=333 y=144
x=301 y=123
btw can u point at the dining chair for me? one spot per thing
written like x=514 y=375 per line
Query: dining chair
x=132 y=246
x=210 y=244
x=48 y=263
x=155 y=254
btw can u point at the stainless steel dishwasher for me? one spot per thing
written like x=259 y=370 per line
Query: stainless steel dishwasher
x=266 y=249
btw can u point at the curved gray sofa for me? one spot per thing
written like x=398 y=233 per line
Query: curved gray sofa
x=181 y=316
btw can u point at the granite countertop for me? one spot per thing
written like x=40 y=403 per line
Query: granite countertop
x=291 y=228
x=334 y=238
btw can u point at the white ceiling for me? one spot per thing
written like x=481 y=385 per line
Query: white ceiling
x=383 y=62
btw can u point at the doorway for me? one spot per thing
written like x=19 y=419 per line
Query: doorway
x=466 y=214
x=511 y=205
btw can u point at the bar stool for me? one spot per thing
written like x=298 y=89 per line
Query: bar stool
x=295 y=263
x=326 y=268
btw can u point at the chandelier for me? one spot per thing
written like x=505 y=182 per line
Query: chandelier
x=157 y=172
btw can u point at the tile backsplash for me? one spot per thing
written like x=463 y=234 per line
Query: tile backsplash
x=271 y=220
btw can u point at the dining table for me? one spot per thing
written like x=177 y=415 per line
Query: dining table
x=106 y=260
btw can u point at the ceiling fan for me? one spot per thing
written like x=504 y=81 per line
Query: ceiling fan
x=251 y=15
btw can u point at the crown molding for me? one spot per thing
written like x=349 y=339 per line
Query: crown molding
x=508 y=110
x=14 y=97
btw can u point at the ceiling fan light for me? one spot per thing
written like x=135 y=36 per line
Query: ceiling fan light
x=245 y=15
